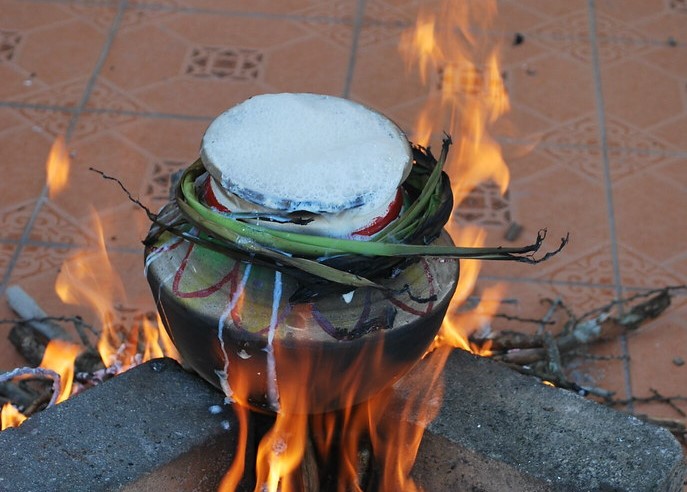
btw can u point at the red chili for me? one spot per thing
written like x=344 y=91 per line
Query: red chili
x=211 y=199
x=382 y=221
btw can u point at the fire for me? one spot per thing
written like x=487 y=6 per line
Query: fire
x=470 y=94
x=10 y=416
x=57 y=167
x=470 y=97
x=89 y=278
x=60 y=356
x=464 y=65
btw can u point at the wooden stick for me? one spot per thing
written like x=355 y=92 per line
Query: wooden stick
x=28 y=309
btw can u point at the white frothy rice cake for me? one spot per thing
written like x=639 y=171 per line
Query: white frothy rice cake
x=282 y=153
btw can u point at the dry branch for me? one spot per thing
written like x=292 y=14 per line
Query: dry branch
x=546 y=353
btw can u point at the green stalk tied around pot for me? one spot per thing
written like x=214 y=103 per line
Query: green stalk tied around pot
x=324 y=260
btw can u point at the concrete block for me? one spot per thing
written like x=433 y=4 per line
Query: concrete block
x=498 y=430
x=147 y=429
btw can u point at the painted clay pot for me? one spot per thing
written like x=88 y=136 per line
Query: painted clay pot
x=233 y=324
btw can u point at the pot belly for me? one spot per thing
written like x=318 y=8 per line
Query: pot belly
x=233 y=324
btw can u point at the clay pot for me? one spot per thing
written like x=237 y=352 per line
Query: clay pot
x=232 y=323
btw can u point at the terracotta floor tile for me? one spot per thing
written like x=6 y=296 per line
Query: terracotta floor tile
x=673 y=131
x=130 y=68
x=214 y=62
x=54 y=225
x=58 y=53
x=142 y=153
x=656 y=350
x=667 y=25
x=313 y=64
x=554 y=9
x=25 y=16
x=640 y=95
x=110 y=154
x=23 y=152
x=678 y=265
x=561 y=201
x=14 y=219
x=556 y=87
x=7 y=250
x=631 y=11
x=166 y=139
x=670 y=59
x=381 y=79
x=649 y=217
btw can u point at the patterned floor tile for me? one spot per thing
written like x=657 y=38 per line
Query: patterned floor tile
x=673 y=131
x=165 y=139
x=110 y=154
x=554 y=86
x=23 y=153
x=554 y=9
x=216 y=62
x=561 y=202
x=656 y=352
x=650 y=218
x=640 y=95
x=102 y=14
x=15 y=218
x=637 y=270
x=53 y=225
x=668 y=26
x=7 y=251
x=24 y=16
x=60 y=52
x=631 y=11
x=631 y=150
x=595 y=267
x=380 y=21
x=36 y=260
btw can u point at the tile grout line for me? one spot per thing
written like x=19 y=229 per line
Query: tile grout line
x=601 y=114
x=75 y=113
x=357 y=26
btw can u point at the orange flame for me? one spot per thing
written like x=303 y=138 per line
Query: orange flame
x=57 y=167
x=470 y=94
x=471 y=97
x=60 y=356
x=10 y=416
x=88 y=278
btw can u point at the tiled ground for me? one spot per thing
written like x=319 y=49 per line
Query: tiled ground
x=595 y=140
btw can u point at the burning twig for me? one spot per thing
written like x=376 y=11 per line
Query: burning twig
x=35 y=329
x=30 y=312
x=36 y=371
